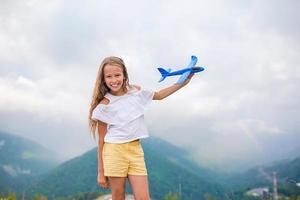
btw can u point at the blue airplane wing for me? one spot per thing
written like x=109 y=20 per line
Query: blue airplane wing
x=192 y=64
x=184 y=76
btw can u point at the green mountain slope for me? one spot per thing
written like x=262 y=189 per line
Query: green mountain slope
x=262 y=175
x=168 y=170
x=21 y=161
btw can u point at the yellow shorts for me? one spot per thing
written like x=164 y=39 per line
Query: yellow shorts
x=124 y=159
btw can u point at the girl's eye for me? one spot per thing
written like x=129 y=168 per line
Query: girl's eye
x=108 y=76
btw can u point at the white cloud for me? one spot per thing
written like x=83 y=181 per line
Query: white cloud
x=10 y=170
x=2 y=143
x=15 y=171
x=47 y=97
x=250 y=126
x=50 y=53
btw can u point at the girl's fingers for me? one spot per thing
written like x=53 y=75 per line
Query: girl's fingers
x=190 y=76
x=104 y=183
x=104 y=186
x=188 y=79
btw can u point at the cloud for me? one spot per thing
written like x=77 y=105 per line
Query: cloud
x=49 y=97
x=50 y=53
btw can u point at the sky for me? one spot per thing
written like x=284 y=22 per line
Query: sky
x=241 y=111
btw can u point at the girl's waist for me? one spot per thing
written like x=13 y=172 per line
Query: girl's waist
x=136 y=139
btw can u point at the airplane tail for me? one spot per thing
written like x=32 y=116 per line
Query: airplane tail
x=164 y=73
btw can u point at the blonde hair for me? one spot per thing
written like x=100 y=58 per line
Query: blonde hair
x=100 y=88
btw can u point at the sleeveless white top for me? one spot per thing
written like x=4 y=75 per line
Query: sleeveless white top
x=124 y=115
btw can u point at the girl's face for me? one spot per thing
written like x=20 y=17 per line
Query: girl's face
x=114 y=79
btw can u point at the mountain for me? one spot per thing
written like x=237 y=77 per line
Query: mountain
x=168 y=168
x=21 y=161
x=287 y=174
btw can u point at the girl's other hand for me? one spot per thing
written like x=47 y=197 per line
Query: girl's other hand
x=103 y=181
x=188 y=80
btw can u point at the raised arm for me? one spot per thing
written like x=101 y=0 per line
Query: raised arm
x=171 y=89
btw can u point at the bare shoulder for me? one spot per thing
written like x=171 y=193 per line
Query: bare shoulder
x=136 y=87
x=104 y=101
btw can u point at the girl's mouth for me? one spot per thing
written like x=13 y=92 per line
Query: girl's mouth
x=114 y=85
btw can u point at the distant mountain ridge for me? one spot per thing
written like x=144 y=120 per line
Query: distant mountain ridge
x=21 y=161
x=168 y=169
x=288 y=169
x=178 y=156
x=25 y=163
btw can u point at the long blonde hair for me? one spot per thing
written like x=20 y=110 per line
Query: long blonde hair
x=100 y=88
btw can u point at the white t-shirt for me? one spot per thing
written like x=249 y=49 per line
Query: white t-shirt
x=124 y=115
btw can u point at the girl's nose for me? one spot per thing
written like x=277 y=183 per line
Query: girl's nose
x=114 y=80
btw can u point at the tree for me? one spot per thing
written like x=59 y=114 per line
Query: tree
x=209 y=197
x=171 y=196
x=11 y=196
x=39 y=197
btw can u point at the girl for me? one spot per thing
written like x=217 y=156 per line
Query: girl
x=117 y=113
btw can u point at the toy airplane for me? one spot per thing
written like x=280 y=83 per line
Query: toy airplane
x=190 y=69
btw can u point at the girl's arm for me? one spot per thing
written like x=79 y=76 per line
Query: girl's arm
x=171 y=89
x=102 y=128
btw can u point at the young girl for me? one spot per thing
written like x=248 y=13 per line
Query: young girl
x=117 y=113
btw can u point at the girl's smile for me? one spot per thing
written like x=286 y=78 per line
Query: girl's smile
x=114 y=79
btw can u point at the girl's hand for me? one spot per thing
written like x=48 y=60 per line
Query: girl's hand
x=171 y=89
x=187 y=80
x=102 y=181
